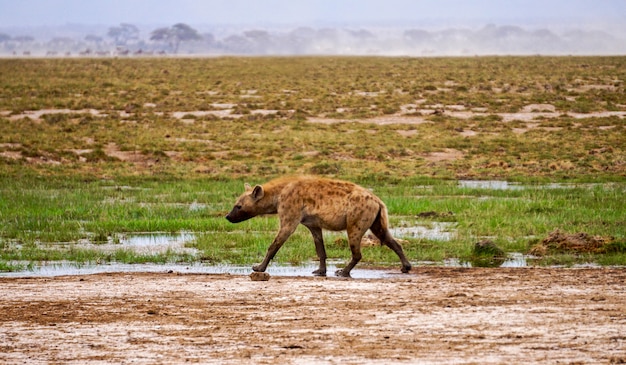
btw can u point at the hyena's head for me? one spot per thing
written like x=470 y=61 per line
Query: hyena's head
x=247 y=205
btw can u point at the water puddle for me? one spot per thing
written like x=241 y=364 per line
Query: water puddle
x=155 y=239
x=436 y=231
x=145 y=243
x=490 y=184
x=514 y=259
x=506 y=185
x=64 y=268
x=70 y=268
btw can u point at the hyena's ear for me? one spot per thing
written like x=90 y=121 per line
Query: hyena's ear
x=247 y=187
x=258 y=192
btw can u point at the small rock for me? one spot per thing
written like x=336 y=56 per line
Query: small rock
x=259 y=276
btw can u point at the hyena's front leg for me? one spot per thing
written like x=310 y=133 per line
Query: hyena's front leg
x=318 y=238
x=286 y=229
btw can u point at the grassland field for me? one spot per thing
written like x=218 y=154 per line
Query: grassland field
x=93 y=149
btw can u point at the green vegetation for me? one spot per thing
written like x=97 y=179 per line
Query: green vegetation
x=49 y=211
x=91 y=149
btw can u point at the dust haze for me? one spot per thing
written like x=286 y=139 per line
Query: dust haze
x=388 y=40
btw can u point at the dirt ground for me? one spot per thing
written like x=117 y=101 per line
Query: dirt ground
x=432 y=315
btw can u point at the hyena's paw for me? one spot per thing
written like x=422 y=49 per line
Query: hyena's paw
x=343 y=273
x=406 y=269
x=319 y=272
x=258 y=268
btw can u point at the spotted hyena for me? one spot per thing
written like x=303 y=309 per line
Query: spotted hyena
x=318 y=204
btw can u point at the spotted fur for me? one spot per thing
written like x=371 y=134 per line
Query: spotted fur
x=318 y=204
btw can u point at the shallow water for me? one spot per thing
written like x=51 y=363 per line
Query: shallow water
x=514 y=259
x=506 y=185
x=490 y=184
x=147 y=243
x=69 y=268
x=50 y=269
x=437 y=231
x=154 y=239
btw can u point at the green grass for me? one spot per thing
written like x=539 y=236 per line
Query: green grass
x=134 y=167
x=67 y=210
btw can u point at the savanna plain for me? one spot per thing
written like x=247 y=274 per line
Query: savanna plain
x=482 y=162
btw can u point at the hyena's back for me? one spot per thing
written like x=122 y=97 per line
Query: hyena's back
x=328 y=204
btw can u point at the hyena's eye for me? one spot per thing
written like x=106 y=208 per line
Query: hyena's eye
x=238 y=206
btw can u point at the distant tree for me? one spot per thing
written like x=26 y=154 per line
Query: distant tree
x=299 y=40
x=208 y=38
x=93 y=38
x=362 y=34
x=123 y=34
x=262 y=41
x=23 y=39
x=257 y=35
x=59 y=42
x=174 y=35
x=303 y=32
x=417 y=35
x=162 y=35
x=237 y=44
x=4 y=37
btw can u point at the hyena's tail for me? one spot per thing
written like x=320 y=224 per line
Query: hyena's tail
x=380 y=227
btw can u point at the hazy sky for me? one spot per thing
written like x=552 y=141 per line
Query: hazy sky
x=300 y=12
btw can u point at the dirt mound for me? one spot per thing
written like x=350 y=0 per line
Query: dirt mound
x=560 y=242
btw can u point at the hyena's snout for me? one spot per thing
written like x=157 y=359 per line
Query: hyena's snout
x=238 y=215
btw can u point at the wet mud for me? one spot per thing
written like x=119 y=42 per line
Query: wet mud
x=432 y=315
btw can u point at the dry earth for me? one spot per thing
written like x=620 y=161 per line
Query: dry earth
x=433 y=315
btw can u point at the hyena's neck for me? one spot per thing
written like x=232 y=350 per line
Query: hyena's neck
x=269 y=203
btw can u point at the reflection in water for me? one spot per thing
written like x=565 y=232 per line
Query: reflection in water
x=70 y=268
x=514 y=259
x=490 y=184
x=438 y=231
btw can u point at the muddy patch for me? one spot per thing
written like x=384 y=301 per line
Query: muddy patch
x=560 y=242
x=432 y=315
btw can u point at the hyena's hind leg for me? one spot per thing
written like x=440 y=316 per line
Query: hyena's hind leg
x=358 y=222
x=381 y=231
x=355 y=234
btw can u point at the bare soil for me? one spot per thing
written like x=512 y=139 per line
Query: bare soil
x=432 y=315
